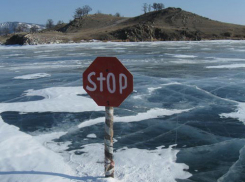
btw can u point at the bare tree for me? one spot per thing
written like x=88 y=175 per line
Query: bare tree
x=86 y=9
x=49 y=24
x=80 y=12
x=60 y=22
x=34 y=29
x=21 y=28
x=158 y=6
x=5 y=31
x=145 y=7
x=117 y=15
x=24 y=27
x=149 y=7
x=154 y=6
x=14 y=27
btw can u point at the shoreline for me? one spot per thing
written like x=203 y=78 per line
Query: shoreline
x=60 y=42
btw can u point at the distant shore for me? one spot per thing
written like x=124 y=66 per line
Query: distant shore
x=170 y=24
x=40 y=39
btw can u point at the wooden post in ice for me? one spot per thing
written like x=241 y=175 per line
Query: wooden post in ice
x=109 y=163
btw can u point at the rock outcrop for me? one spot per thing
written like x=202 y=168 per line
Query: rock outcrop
x=16 y=39
x=37 y=38
x=150 y=33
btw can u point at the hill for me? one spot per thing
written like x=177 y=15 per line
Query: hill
x=177 y=24
x=167 y=24
x=11 y=26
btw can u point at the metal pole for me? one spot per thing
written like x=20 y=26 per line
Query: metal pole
x=109 y=163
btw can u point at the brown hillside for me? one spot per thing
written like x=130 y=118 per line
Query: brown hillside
x=166 y=24
x=90 y=22
x=177 y=24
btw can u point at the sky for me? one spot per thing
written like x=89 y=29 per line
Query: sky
x=39 y=11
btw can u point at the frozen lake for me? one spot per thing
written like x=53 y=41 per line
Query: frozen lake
x=183 y=122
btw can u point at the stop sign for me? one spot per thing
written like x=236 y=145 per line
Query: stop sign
x=107 y=81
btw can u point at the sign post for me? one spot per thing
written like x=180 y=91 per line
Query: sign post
x=109 y=163
x=109 y=83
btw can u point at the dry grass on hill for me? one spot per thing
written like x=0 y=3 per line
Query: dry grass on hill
x=173 y=23
x=166 y=24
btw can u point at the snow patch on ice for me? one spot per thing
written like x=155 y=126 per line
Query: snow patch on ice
x=181 y=61
x=184 y=56
x=181 y=55
x=133 y=164
x=38 y=52
x=33 y=76
x=238 y=114
x=229 y=66
x=171 y=83
x=92 y=135
x=150 y=114
x=152 y=89
x=15 y=55
x=137 y=96
x=25 y=159
x=56 y=99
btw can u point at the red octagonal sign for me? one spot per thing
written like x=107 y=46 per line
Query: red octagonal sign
x=107 y=81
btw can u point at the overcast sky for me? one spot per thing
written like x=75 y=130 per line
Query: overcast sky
x=38 y=11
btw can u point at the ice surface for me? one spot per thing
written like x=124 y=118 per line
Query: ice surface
x=24 y=158
x=236 y=171
x=57 y=99
x=43 y=66
x=169 y=79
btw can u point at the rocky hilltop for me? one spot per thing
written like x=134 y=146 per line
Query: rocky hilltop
x=177 y=24
x=164 y=25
